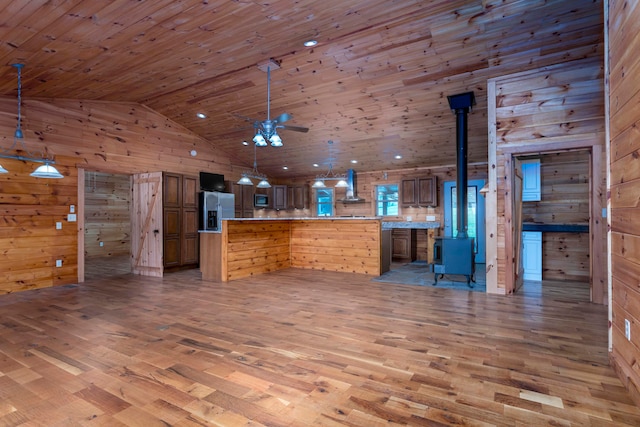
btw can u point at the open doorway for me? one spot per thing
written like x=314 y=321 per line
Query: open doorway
x=556 y=223
x=107 y=224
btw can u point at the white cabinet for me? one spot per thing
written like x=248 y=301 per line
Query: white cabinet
x=531 y=180
x=532 y=255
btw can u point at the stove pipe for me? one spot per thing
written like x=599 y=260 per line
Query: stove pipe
x=461 y=105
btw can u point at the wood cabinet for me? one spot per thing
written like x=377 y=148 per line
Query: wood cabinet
x=420 y=191
x=403 y=245
x=180 y=221
x=279 y=197
x=297 y=197
x=243 y=198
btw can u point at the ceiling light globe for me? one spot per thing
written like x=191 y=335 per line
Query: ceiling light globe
x=264 y=184
x=342 y=184
x=259 y=140
x=245 y=180
x=46 y=171
x=275 y=140
x=318 y=184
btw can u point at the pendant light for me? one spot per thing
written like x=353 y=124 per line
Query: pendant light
x=246 y=176
x=330 y=175
x=44 y=171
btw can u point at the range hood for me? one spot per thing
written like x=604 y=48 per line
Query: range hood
x=351 y=196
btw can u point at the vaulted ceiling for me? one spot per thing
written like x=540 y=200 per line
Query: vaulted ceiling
x=375 y=84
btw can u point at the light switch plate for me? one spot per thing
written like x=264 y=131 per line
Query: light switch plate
x=71 y=217
x=58 y=225
x=72 y=209
x=431 y=217
x=58 y=263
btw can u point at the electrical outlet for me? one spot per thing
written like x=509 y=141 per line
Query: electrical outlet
x=101 y=244
x=627 y=329
x=58 y=225
x=58 y=263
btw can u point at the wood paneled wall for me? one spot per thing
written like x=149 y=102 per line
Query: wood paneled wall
x=107 y=216
x=564 y=200
x=624 y=128
x=95 y=136
x=29 y=241
x=351 y=246
x=551 y=109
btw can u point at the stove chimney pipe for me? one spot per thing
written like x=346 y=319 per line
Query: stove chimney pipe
x=461 y=106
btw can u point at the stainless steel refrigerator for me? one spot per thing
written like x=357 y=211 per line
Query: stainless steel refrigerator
x=214 y=207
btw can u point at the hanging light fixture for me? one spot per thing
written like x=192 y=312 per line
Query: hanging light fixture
x=44 y=171
x=245 y=178
x=330 y=175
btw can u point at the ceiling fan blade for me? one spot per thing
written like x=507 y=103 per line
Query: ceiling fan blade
x=294 y=128
x=248 y=119
x=282 y=118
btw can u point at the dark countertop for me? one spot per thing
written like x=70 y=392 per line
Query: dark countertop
x=389 y=225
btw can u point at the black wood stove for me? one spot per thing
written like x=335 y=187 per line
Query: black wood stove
x=455 y=255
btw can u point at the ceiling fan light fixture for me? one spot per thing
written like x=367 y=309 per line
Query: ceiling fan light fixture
x=275 y=140
x=259 y=140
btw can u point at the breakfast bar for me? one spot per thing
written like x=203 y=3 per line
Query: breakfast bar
x=252 y=246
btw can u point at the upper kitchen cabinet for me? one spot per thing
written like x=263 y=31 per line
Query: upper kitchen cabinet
x=279 y=194
x=243 y=199
x=298 y=197
x=421 y=191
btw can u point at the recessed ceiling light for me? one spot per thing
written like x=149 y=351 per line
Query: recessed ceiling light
x=245 y=143
x=310 y=43
x=315 y=165
x=285 y=167
x=354 y=161
x=201 y=115
x=398 y=156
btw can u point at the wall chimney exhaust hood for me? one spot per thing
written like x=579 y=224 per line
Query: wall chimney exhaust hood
x=351 y=196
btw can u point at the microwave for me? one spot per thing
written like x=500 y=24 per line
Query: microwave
x=261 y=201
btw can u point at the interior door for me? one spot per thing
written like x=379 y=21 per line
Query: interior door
x=146 y=224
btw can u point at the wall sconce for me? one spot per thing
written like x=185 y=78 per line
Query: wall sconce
x=44 y=171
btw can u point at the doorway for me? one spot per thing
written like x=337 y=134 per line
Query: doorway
x=107 y=224
x=559 y=217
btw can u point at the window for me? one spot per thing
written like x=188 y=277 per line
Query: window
x=324 y=201
x=387 y=200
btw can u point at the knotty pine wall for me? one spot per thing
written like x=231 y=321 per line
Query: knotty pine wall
x=624 y=129
x=564 y=200
x=551 y=109
x=107 y=203
x=96 y=136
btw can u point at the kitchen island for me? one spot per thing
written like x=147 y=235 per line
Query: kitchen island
x=250 y=246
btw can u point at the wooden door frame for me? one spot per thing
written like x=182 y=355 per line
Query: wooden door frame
x=597 y=249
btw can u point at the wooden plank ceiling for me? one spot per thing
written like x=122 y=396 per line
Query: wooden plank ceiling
x=376 y=83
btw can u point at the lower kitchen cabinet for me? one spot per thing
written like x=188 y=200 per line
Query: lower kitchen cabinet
x=403 y=245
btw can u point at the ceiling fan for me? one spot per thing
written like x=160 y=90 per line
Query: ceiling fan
x=267 y=130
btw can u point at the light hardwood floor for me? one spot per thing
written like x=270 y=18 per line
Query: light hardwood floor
x=304 y=348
